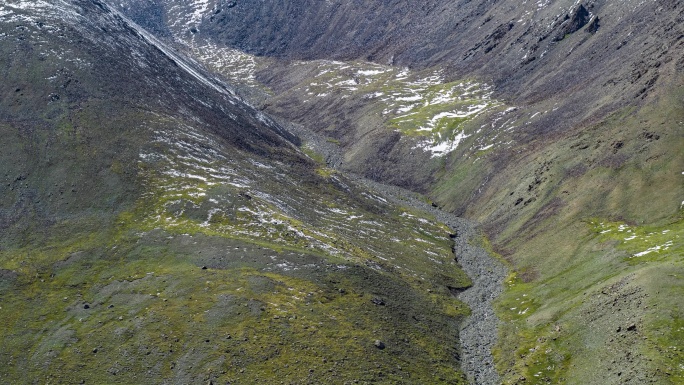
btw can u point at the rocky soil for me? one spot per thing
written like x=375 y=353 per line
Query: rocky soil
x=156 y=229
x=479 y=331
x=576 y=180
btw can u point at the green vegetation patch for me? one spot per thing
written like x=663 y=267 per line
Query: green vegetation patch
x=644 y=243
x=209 y=277
x=417 y=103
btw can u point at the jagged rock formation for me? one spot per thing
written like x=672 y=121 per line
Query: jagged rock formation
x=574 y=21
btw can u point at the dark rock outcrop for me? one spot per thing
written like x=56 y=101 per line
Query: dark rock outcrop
x=574 y=21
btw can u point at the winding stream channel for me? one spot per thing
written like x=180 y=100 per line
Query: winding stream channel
x=479 y=332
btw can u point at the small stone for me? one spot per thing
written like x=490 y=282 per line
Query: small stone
x=379 y=344
x=204 y=267
x=378 y=301
x=631 y=327
x=95 y=350
x=86 y=306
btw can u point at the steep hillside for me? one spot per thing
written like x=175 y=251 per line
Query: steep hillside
x=532 y=50
x=558 y=125
x=565 y=64
x=158 y=229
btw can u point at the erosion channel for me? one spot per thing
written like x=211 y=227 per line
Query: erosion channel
x=479 y=331
x=478 y=334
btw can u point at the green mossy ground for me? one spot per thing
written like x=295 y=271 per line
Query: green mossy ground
x=591 y=226
x=154 y=314
x=164 y=292
x=560 y=307
x=143 y=245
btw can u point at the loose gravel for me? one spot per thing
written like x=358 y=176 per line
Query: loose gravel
x=479 y=332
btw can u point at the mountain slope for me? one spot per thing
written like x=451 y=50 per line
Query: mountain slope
x=573 y=166
x=158 y=229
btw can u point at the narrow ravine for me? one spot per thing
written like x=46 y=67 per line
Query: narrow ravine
x=479 y=332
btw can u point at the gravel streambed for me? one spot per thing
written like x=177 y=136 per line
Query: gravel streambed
x=479 y=332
